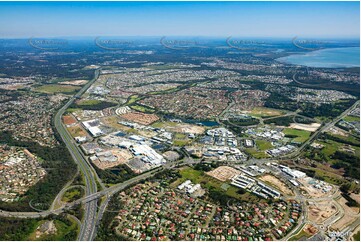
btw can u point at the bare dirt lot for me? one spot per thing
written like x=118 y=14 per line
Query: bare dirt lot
x=69 y=120
x=318 y=212
x=180 y=127
x=350 y=215
x=75 y=82
x=77 y=131
x=141 y=118
x=277 y=183
x=223 y=173
x=308 y=127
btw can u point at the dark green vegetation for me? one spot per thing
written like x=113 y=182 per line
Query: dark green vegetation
x=60 y=169
x=12 y=229
x=281 y=121
x=115 y=174
x=73 y=194
x=244 y=122
x=345 y=188
x=92 y=104
x=334 y=154
x=287 y=120
x=328 y=110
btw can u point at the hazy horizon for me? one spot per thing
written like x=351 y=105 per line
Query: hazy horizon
x=333 y=20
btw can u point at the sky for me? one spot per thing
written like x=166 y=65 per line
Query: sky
x=246 y=19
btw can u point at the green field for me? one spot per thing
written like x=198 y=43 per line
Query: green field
x=264 y=145
x=91 y=104
x=142 y=108
x=55 y=88
x=299 y=135
x=352 y=119
x=256 y=154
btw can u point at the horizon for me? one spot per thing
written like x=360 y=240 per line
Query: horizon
x=332 y=20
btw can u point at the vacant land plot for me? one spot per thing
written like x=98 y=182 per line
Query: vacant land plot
x=350 y=215
x=54 y=88
x=257 y=154
x=74 y=83
x=318 y=212
x=352 y=119
x=264 y=112
x=141 y=118
x=263 y=144
x=69 y=120
x=297 y=134
x=77 y=131
x=277 y=183
x=307 y=127
x=180 y=127
x=223 y=173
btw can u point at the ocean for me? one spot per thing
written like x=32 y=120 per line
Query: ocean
x=327 y=58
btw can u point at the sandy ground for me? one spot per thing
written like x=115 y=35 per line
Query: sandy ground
x=309 y=229
x=223 y=173
x=277 y=183
x=350 y=215
x=337 y=131
x=355 y=197
x=318 y=212
x=308 y=127
x=184 y=128
x=75 y=82
x=141 y=118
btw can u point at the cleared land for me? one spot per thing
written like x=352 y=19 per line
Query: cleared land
x=320 y=211
x=141 y=118
x=223 y=173
x=277 y=183
x=74 y=83
x=264 y=112
x=350 y=215
x=307 y=127
x=180 y=127
x=77 y=131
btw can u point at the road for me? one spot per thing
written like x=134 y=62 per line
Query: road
x=85 y=168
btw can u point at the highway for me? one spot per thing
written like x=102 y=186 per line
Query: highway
x=85 y=168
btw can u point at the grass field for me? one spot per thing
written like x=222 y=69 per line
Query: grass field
x=143 y=109
x=352 y=119
x=55 y=88
x=263 y=145
x=302 y=135
x=257 y=154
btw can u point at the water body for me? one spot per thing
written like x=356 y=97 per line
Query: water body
x=327 y=58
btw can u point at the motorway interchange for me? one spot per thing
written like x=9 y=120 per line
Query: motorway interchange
x=93 y=212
